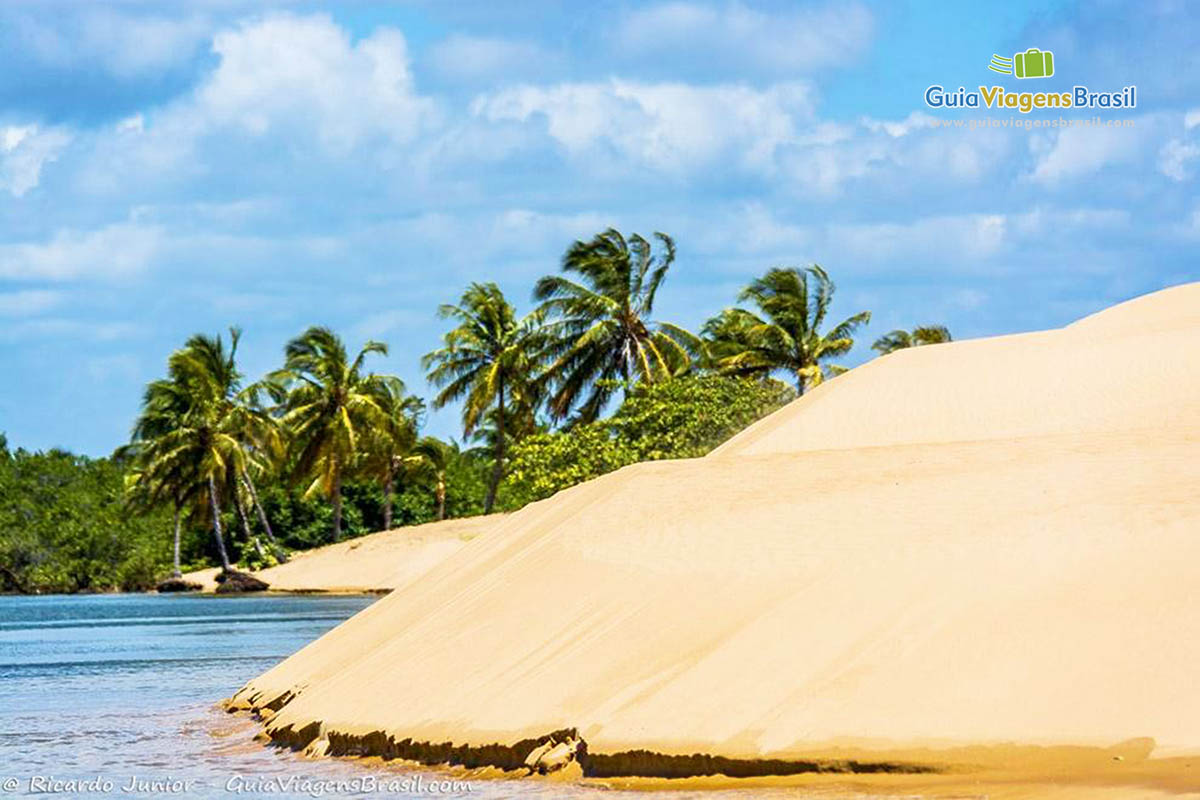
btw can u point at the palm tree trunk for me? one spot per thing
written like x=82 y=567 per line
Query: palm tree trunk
x=243 y=520
x=498 y=466
x=177 y=572
x=387 y=501
x=337 y=505
x=441 y=496
x=216 y=512
x=280 y=554
x=244 y=517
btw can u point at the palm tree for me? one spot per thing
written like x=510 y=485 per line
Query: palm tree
x=146 y=490
x=900 y=339
x=183 y=435
x=606 y=335
x=389 y=447
x=488 y=360
x=262 y=437
x=329 y=403
x=788 y=336
x=436 y=456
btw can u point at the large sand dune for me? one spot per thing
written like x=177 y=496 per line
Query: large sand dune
x=965 y=544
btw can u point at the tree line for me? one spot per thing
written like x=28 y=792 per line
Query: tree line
x=251 y=462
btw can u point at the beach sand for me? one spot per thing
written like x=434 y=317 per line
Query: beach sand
x=377 y=562
x=976 y=558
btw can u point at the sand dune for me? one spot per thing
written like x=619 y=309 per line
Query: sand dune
x=377 y=562
x=947 y=549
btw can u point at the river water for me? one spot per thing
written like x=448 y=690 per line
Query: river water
x=115 y=695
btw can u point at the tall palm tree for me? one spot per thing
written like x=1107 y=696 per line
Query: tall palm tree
x=262 y=437
x=183 y=434
x=329 y=403
x=788 y=335
x=606 y=335
x=389 y=445
x=436 y=456
x=147 y=489
x=488 y=360
x=900 y=339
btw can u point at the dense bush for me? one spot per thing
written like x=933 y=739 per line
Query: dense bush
x=64 y=527
x=681 y=418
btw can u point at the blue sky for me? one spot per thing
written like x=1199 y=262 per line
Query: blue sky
x=183 y=167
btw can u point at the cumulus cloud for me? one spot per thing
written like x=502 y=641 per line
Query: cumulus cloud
x=286 y=73
x=668 y=126
x=734 y=34
x=24 y=150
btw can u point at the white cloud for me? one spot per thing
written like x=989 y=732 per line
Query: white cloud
x=799 y=41
x=28 y=302
x=962 y=237
x=461 y=57
x=910 y=152
x=112 y=252
x=24 y=150
x=286 y=73
x=754 y=236
x=668 y=126
x=297 y=84
x=1174 y=158
x=1083 y=151
x=897 y=129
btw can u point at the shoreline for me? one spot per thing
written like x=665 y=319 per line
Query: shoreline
x=1124 y=771
x=374 y=563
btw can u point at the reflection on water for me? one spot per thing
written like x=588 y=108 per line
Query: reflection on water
x=98 y=691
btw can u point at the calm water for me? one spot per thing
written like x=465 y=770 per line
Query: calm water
x=113 y=688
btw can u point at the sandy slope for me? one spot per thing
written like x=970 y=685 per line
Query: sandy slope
x=966 y=544
x=376 y=562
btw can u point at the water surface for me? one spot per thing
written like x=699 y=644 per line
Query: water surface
x=115 y=695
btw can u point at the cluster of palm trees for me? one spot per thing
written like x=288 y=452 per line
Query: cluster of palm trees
x=595 y=333
x=203 y=438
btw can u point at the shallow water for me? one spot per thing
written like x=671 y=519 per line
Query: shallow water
x=98 y=692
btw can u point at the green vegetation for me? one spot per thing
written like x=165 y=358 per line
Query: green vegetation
x=917 y=337
x=603 y=331
x=64 y=526
x=328 y=405
x=220 y=471
x=682 y=418
x=788 y=336
x=488 y=352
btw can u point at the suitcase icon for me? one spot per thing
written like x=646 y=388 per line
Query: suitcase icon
x=1034 y=63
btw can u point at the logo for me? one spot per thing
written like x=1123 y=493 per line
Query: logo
x=1033 y=63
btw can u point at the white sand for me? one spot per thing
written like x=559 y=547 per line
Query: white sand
x=377 y=562
x=972 y=543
